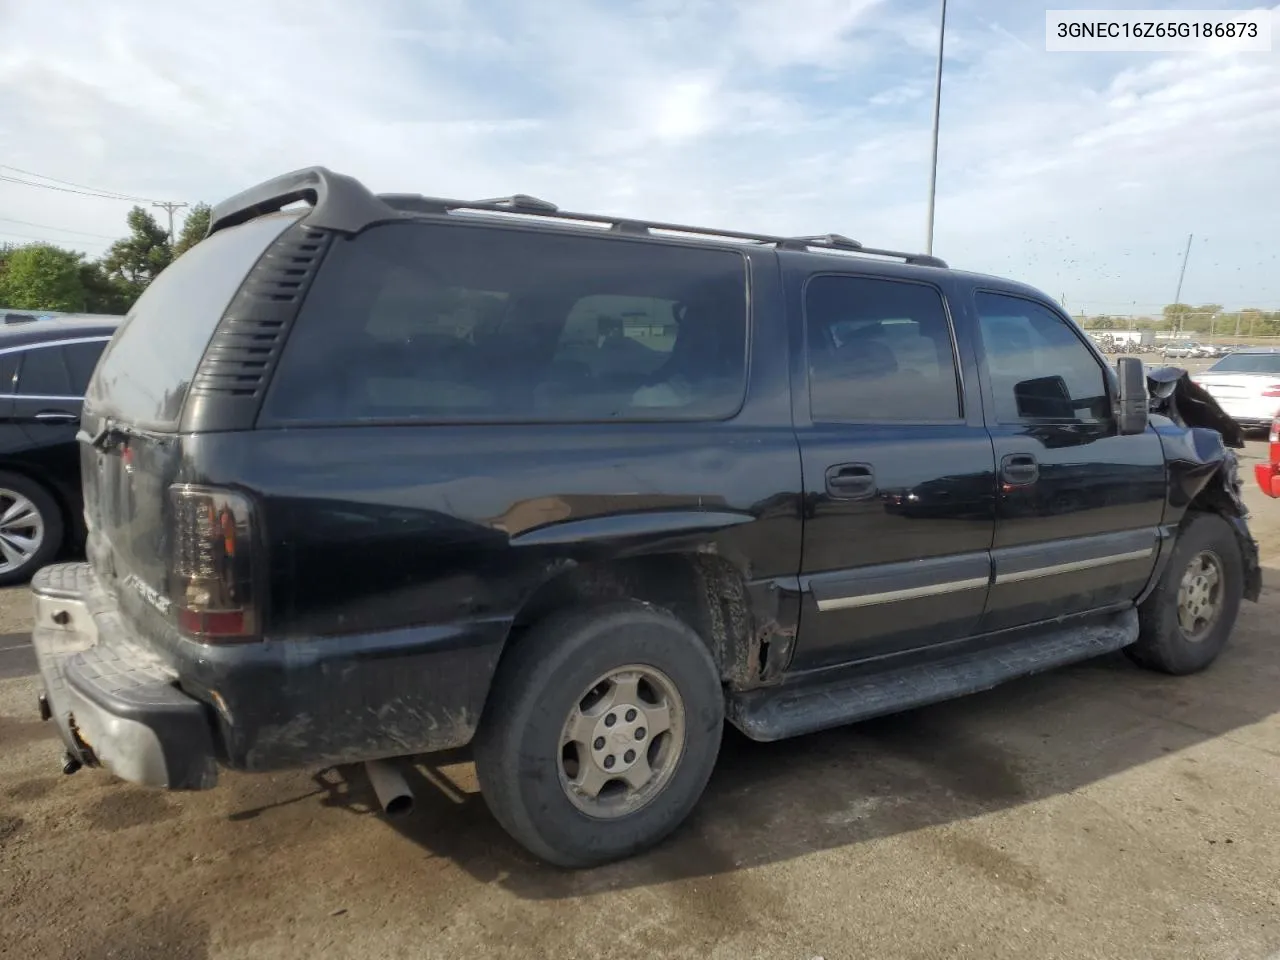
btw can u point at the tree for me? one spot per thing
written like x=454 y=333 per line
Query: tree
x=1177 y=314
x=194 y=227
x=40 y=276
x=103 y=294
x=135 y=261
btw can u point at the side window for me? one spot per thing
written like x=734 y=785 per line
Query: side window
x=81 y=359
x=1039 y=368
x=879 y=350
x=450 y=322
x=43 y=373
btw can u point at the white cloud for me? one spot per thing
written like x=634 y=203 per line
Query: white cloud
x=1080 y=173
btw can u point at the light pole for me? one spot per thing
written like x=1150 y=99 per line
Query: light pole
x=937 y=112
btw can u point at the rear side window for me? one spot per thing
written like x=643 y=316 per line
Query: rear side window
x=446 y=322
x=1039 y=368
x=81 y=358
x=43 y=373
x=144 y=376
x=879 y=350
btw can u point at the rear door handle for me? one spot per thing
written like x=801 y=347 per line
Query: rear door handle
x=851 y=481
x=1019 y=469
x=56 y=416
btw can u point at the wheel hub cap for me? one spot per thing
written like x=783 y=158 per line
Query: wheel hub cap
x=622 y=742
x=21 y=530
x=1200 y=595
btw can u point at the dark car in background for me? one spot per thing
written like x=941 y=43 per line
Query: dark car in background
x=45 y=365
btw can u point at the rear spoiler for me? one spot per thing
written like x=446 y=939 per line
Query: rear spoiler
x=338 y=202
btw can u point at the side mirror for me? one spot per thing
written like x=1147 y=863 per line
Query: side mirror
x=1131 y=417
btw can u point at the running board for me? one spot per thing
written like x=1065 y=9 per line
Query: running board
x=775 y=713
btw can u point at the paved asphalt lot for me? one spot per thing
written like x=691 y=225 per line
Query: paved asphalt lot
x=1100 y=811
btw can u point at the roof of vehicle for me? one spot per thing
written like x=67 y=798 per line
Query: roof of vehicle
x=18 y=333
x=344 y=204
x=1236 y=350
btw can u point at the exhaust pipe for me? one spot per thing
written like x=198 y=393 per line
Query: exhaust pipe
x=394 y=795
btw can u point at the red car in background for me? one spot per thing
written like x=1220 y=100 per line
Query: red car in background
x=1268 y=473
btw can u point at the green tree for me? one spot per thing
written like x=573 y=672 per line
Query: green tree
x=103 y=294
x=135 y=261
x=40 y=276
x=1176 y=315
x=194 y=227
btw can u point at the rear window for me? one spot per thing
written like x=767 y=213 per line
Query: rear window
x=443 y=322
x=144 y=375
x=1247 y=363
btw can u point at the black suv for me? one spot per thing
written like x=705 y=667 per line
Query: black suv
x=387 y=475
x=45 y=366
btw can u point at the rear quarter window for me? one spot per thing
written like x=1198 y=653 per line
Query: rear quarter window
x=144 y=375
x=449 y=323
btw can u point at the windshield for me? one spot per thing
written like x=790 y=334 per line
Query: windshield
x=1248 y=363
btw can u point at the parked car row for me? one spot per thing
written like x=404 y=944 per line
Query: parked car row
x=1192 y=349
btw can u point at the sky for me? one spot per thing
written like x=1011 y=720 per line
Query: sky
x=1082 y=174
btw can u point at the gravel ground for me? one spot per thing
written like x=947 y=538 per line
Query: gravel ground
x=1099 y=811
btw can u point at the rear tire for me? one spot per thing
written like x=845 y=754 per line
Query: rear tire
x=31 y=528
x=1189 y=616
x=600 y=733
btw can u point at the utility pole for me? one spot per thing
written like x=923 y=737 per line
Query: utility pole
x=1177 y=297
x=937 y=113
x=169 y=206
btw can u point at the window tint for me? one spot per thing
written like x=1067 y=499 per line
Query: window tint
x=1039 y=368
x=879 y=350
x=145 y=374
x=43 y=373
x=81 y=358
x=450 y=322
x=1247 y=363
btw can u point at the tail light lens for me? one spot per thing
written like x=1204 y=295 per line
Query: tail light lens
x=1271 y=391
x=212 y=567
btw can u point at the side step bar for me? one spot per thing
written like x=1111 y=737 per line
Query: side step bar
x=780 y=712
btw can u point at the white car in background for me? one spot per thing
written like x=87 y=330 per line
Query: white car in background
x=1246 y=385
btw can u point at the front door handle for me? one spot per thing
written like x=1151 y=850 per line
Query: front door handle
x=1019 y=469
x=851 y=481
x=56 y=416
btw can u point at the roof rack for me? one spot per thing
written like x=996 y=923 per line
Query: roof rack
x=342 y=203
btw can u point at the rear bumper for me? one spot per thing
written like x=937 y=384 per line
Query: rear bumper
x=115 y=705
x=166 y=712
x=1268 y=477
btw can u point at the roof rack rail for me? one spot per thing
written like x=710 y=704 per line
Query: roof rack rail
x=342 y=203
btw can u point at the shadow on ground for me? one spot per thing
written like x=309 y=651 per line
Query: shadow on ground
x=1026 y=741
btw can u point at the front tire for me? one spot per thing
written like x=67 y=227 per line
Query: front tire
x=1189 y=616
x=31 y=528
x=600 y=733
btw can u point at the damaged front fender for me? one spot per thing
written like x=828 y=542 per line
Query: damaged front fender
x=1204 y=472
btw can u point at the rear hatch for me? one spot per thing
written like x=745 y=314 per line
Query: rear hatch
x=132 y=446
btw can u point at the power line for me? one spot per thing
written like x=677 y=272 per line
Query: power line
x=27 y=236
x=84 y=193
x=65 y=183
x=45 y=226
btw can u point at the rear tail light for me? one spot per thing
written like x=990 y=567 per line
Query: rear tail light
x=1271 y=391
x=212 y=567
